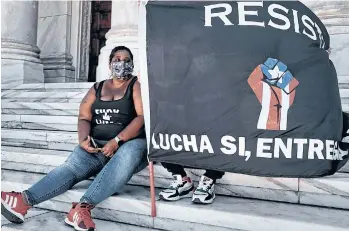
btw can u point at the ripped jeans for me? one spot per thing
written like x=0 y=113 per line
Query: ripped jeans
x=112 y=173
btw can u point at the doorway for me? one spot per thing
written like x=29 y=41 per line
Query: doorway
x=100 y=25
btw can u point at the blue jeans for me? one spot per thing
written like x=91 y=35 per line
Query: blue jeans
x=112 y=173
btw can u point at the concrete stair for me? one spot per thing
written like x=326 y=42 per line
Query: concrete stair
x=47 y=87
x=227 y=213
x=41 y=219
x=39 y=124
x=329 y=191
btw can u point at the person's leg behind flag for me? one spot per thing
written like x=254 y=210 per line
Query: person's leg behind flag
x=181 y=187
x=204 y=193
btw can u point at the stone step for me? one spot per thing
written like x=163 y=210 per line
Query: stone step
x=40 y=122
x=226 y=213
x=25 y=159
x=42 y=100
x=33 y=108
x=132 y=207
x=344 y=94
x=42 y=219
x=31 y=213
x=31 y=111
x=21 y=96
x=39 y=139
x=345 y=108
x=343 y=81
x=47 y=86
x=331 y=191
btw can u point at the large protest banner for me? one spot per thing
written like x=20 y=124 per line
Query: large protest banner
x=243 y=87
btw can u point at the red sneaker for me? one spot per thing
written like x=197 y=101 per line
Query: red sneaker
x=80 y=217
x=13 y=207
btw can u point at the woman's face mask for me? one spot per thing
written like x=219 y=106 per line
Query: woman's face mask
x=122 y=69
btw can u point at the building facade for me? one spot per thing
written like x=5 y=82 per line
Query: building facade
x=70 y=41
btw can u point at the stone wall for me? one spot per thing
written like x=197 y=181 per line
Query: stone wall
x=20 y=61
x=54 y=30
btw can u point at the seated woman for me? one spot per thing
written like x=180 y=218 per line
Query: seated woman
x=111 y=144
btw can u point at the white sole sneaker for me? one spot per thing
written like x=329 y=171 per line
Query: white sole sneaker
x=10 y=214
x=75 y=226
x=197 y=199
x=188 y=195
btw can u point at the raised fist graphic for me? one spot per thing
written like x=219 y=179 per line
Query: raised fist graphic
x=106 y=116
x=274 y=87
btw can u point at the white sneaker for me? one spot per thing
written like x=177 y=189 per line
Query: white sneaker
x=179 y=188
x=204 y=193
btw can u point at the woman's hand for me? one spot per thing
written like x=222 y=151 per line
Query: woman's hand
x=110 y=148
x=86 y=145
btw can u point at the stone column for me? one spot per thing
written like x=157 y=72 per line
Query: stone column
x=335 y=16
x=54 y=37
x=20 y=61
x=124 y=31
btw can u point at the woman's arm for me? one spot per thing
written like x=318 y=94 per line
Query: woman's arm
x=133 y=129
x=85 y=115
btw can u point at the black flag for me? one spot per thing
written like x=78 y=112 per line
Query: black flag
x=243 y=87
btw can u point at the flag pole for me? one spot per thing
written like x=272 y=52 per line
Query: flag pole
x=143 y=79
x=152 y=189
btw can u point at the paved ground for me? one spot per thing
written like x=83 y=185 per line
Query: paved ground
x=43 y=220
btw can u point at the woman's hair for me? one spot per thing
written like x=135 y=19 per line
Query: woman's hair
x=120 y=48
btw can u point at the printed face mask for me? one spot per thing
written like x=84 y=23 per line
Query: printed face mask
x=121 y=69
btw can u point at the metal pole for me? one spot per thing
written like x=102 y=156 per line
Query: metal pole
x=152 y=189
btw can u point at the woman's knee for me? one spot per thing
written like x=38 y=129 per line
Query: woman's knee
x=136 y=148
x=130 y=155
x=81 y=163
